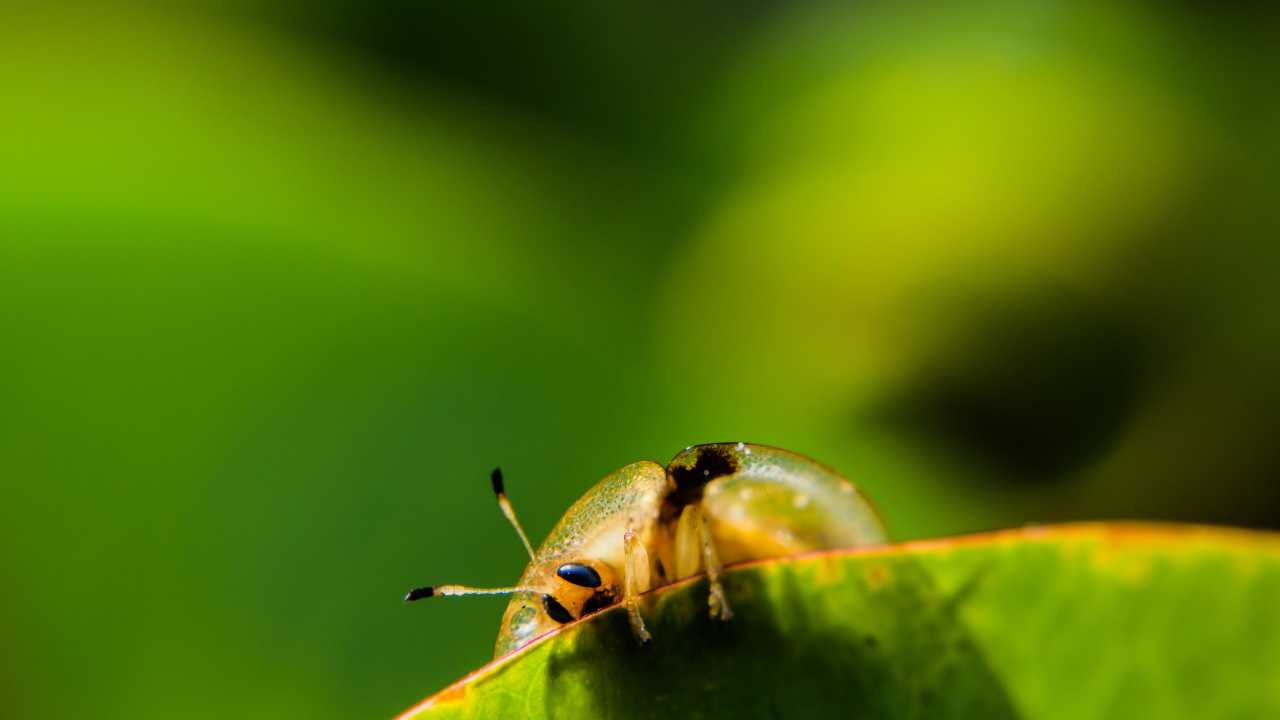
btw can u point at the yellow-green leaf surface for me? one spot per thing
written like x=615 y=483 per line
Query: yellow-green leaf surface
x=1072 y=621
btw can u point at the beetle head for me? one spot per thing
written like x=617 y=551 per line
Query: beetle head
x=584 y=586
x=559 y=592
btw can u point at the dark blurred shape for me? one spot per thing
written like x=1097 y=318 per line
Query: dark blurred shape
x=625 y=72
x=1038 y=387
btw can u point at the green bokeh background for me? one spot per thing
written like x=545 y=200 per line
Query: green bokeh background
x=281 y=282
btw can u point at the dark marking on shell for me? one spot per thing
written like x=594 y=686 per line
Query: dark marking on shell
x=711 y=462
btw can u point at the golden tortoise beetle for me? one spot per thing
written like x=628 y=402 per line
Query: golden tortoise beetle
x=642 y=527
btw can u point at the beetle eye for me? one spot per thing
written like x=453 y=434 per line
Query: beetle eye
x=555 y=610
x=579 y=574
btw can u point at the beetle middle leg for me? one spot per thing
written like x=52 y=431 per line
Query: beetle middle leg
x=635 y=581
x=695 y=549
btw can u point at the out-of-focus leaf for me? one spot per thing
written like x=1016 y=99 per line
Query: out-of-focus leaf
x=1072 y=621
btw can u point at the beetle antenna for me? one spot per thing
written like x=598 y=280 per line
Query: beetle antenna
x=510 y=512
x=434 y=590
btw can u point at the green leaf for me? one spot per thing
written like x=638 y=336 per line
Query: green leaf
x=1071 y=621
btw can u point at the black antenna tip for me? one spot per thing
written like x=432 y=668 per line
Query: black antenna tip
x=419 y=593
x=496 y=478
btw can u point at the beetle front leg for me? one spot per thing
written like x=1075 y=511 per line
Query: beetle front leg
x=635 y=580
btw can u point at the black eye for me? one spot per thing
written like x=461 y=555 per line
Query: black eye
x=579 y=574
x=555 y=610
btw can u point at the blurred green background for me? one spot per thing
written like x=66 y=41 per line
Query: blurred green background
x=281 y=282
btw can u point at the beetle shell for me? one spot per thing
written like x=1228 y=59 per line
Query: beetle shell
x=757 y=501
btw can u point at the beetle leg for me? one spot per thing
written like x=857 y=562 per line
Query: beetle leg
x=719 y=605
x=694 y=551
x=688 y=542
x=635 y=580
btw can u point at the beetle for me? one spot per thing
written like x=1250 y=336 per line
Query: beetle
x=644 y=526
